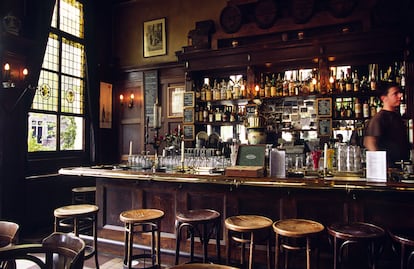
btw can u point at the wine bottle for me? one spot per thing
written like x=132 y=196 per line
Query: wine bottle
x=358 y=111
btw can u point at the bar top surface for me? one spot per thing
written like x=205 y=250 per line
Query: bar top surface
x=313 y=182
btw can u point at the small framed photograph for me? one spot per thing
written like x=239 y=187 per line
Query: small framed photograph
x=188 y=115
x=188 y=131
x=189 y=99
x=175 y=101
x=324 y=107
x=324 y=127
x=155 y=38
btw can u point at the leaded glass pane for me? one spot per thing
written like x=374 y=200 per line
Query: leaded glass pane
x=71 y=133
x=54 y=18
x=46 y=97
x=51 y=58
x=72 y=58
x=42 y=132
x=71 y=17
x=72 y=95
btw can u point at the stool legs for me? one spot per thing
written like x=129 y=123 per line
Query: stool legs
x=129 y=243
x=204 y=239
x=76 y=232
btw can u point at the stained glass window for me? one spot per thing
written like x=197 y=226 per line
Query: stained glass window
x=56 y=119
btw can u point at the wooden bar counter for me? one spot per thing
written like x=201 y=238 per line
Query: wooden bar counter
x=324 y=200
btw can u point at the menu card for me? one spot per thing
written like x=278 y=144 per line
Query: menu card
x=376 y=166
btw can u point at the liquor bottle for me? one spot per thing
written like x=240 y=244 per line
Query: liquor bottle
x=229 y=92
x=225 y=114
x=273 y=89
x=223 y=90
x=216 y=91
x=358 y=110
x=279 y=85
x=349 y=81
x=342 y=82
x=262 y=86
x=205 y=114
x=267 y=87
x=343 y=110
x=364 y=85
x=209 y=93
x=373 y=107
x=291 y=86
x=356 y=81
x=285 y=86
x=365 y=110
x=199 y=113
x=236 y=90
x=197 y=91
x=373 y=77
x=349 y=111
x=218 y=115
x=210 y=115
x=203 y=93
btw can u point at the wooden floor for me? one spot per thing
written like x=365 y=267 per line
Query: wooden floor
x=110 y=257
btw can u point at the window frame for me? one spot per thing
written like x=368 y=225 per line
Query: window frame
x=48 y=161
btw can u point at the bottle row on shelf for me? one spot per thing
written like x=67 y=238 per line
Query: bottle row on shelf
x=220 y=114
x=342 y=79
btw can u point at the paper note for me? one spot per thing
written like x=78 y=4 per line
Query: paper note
x=376 y=166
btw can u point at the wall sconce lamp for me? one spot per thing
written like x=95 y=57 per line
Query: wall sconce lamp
x=130 y=102
x=10 y=76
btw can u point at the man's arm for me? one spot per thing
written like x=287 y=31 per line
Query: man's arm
x=370 y=142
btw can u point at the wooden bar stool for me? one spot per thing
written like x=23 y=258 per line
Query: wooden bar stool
x=83 y=195
x=208 y=220
x=294 y=228
x=149 y=220
x=360 y=233
x=405 y=240
x=237 y=227
x=79 y=216
x=202 y=266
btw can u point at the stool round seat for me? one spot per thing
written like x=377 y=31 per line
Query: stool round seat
x=405 y=239
x=367 y=234
x=80 y=210
x=80 y=218
x=143 y=218
x=140 y=215
x=82 y=195
x=209 y=220
x=247 y=223
x=356 y=230
x=202 y=266
x=251 y=224
x=295 y=228
x=197 y=215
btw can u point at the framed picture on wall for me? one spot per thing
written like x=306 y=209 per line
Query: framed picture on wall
x=155 y=38
x=324 y=107
x=175 y=103
x=188 y=131
x=324 y=127
x=105 y=105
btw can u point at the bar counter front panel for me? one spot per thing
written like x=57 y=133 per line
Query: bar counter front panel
x=327 y=201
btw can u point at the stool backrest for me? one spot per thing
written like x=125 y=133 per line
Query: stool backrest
x=8 y=232
x=60 y=251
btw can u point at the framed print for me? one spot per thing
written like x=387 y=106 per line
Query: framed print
x=188 y=131
x=324 y=127
x=188 y=99
x=188 y=115
x=155 y=39
x=105 y=105
x=175 y=99
x=324 y=107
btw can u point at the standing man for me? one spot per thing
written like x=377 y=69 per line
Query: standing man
x=387 y=130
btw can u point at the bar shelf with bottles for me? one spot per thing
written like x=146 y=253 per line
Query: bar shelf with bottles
x=220 y=101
